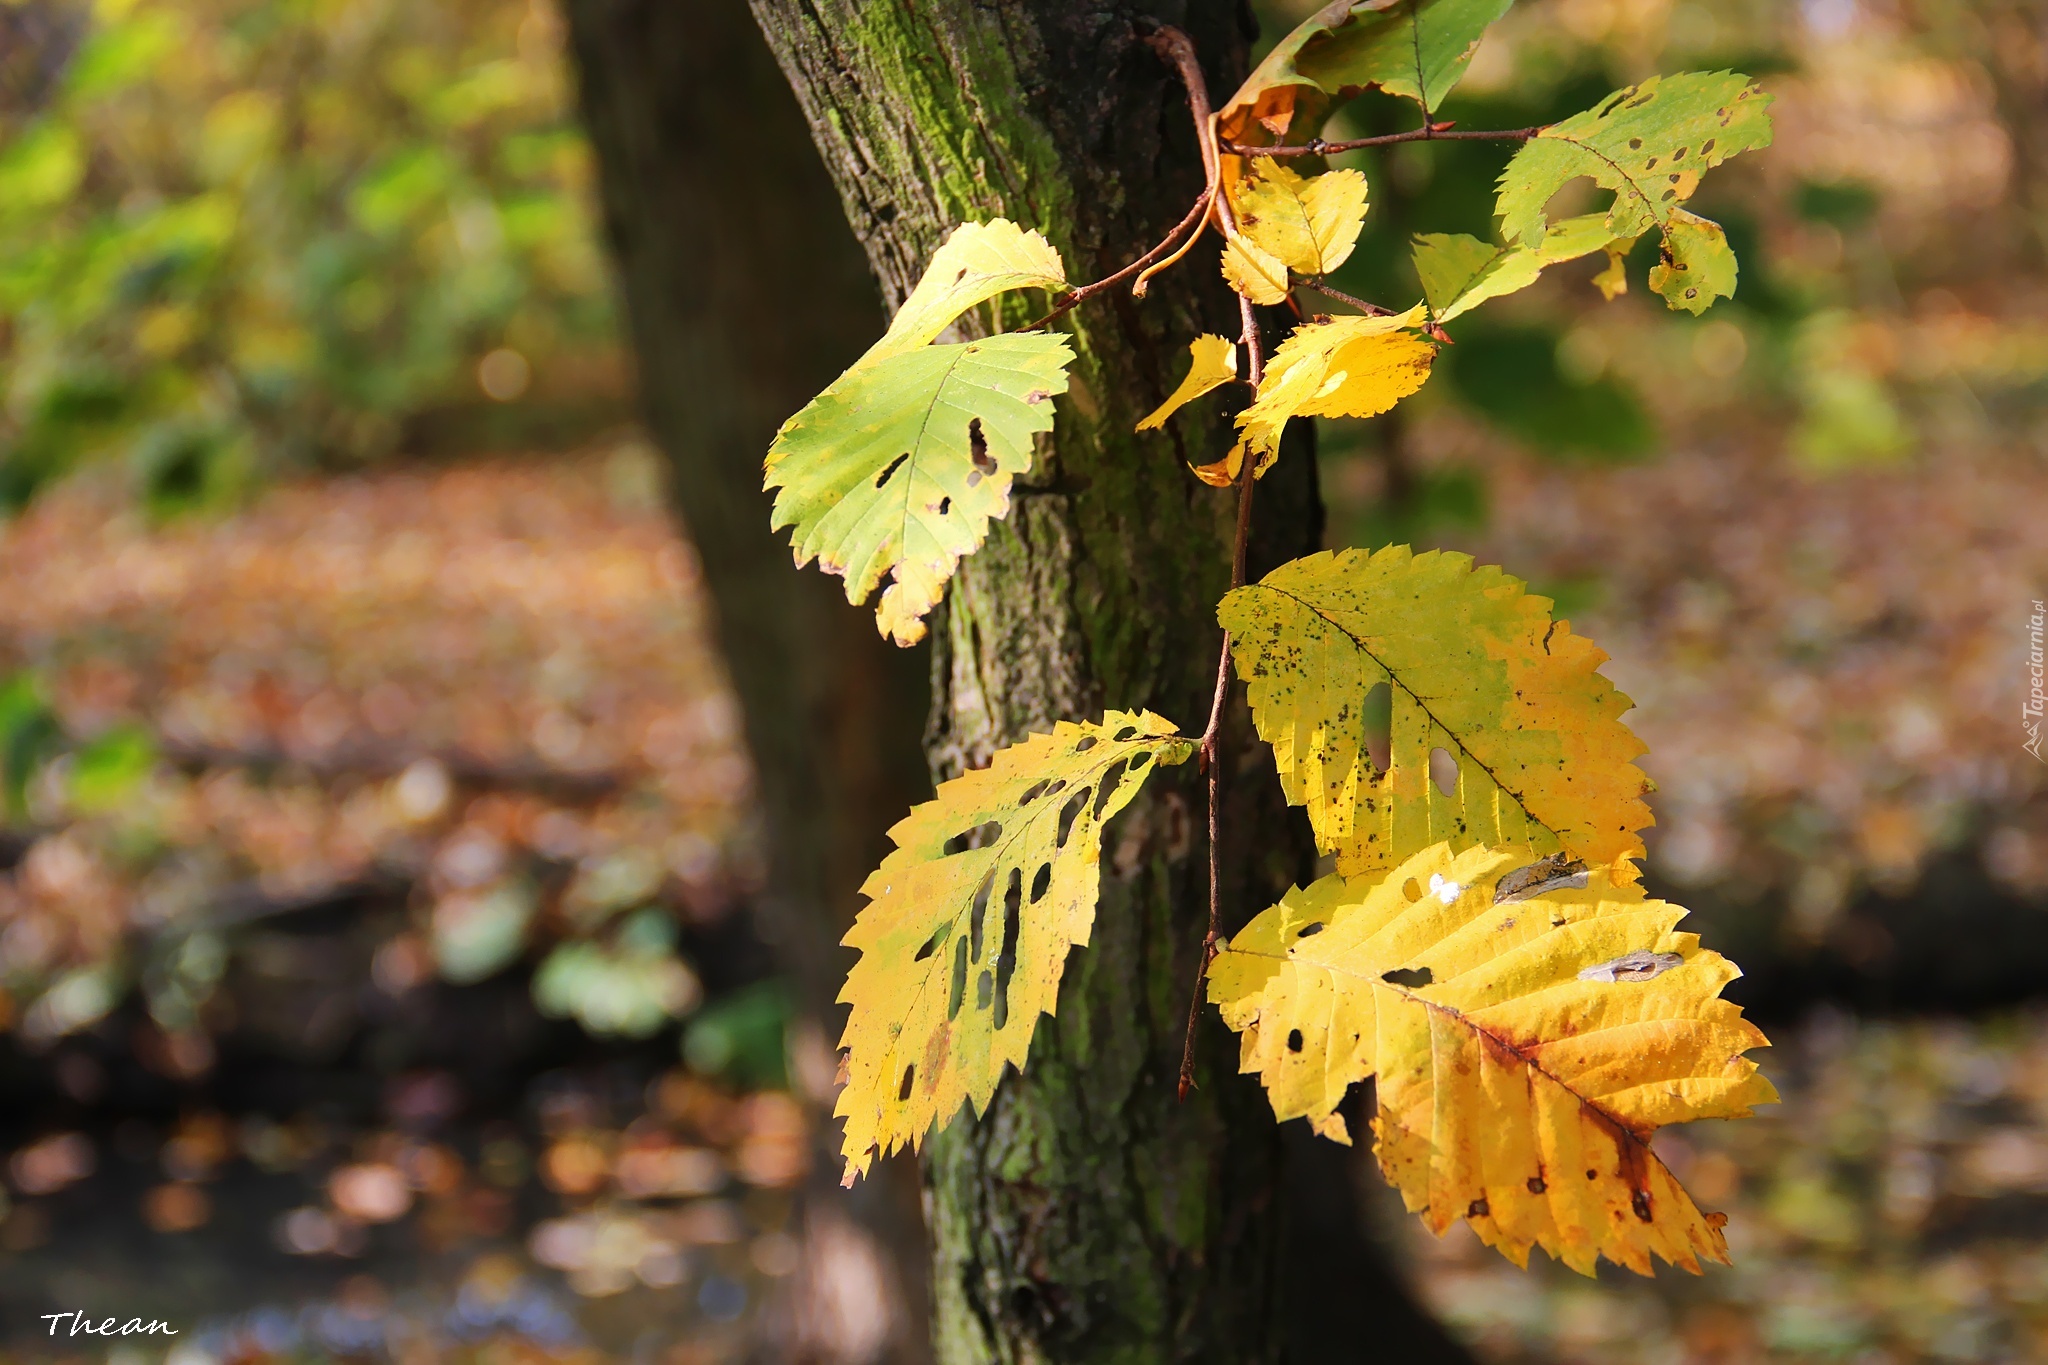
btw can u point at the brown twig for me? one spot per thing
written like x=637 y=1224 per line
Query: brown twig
x=1435 y=132
x=1371 y=310
x=1247 y=475
x=1177 y=50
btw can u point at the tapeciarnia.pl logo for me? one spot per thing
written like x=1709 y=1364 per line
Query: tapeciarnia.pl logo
x=2037 y=697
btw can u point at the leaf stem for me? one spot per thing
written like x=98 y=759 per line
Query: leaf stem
x=1247 y=476
x=1371 y=310
x=1432 y=132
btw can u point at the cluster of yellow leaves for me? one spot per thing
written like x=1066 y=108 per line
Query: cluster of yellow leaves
x=897 y=469
x=1528 y=1027
x=1286 y=222
x=970 y=919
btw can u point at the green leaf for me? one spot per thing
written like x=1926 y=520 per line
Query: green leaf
x=1697 y=265
x=898 y=467
x=1459 y=273
x=1649 y=143
x=1416 y=49
x=1534 y=751
x=966 y=934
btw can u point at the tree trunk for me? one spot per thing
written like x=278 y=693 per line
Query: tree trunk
x=745 y=295
x=1087 y=1216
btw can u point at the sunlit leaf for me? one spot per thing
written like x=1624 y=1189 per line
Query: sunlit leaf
x=1310 y=223
x=1212 y=363
x=976 y=263
x=1524 y=1043
x=970 y=918
x=1345 y=367
x=1696 y=266
x=897 y=469
x=1476 y=668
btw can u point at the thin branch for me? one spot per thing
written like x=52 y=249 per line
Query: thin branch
x=1371 y=310
x=1081 y=293
x=1247 y=476
x=1435 y=132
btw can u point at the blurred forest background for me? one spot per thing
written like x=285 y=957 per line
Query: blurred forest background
x=377 y=968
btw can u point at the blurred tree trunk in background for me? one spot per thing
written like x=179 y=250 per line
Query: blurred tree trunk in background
x=745 y=295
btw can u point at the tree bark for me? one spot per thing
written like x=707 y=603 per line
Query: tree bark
x=745 y=295
x=1087 y=1216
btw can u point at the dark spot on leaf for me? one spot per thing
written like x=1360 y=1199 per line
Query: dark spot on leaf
x=1040 y=882
x=1310 y=930
x=1037 y=396
x=959 y=987
x=1536 y=1185
x=1411 y=977
x=1640 y=1202
x=1679 y=155
x=1034 y=791
x=1087 y=743
x=1706 y=147
x=1111 y=777
x=984 y=987
x=1635 y=144
x=931 y=945
x=1558 y=872
x=975 y=915
x=1069 y=813
x=981 y=836
x=1477 y=1209
x=909 y=1075
x=894 y=465
x=1412 y=889
x=1591 y=1175
x=1376 y=715
x=1294 y=1040
x=1006 y=960
x=977 y=449
x=945 y=506
x=1128 y=732
x=1651 y=164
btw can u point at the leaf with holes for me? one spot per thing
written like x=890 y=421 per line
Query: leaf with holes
x=898 y=468
x=1416 y=49
x=1525 y=732
x=976 y=263
x=1650 y=144
x=1459 y=273
x=1345 y=367
x=1212 y=363
x=1524 y=1045
x=1696 y=266
x=969 y=922
x=1309 y=222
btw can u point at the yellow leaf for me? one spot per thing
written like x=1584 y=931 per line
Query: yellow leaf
x=1612 y=281
x=1527 y=1029
x=1346 y=367
x=976 y=263
x=1309 y=222
x=1695 y=267
x=1212 y=363
x=1223 y=473
x=1253 y=271
x=1476 y=668
x=969 y=922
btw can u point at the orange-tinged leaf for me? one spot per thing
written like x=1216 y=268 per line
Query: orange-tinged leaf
x=969 y=921
x=1524 y=1043
x=1476 y=668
